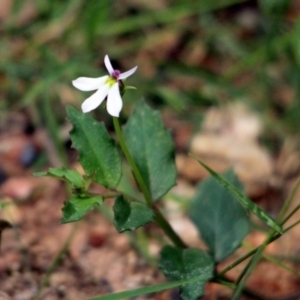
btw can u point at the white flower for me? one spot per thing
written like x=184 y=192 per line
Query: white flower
x=106 y=86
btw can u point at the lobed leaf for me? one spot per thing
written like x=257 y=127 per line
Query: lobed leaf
x=178 y=263
x=72 y=176
x=77 y=207
x=152 y=149
x=130 y=215
x=98 y=153
x=221 y=221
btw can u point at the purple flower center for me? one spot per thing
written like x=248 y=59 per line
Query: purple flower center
x=115 y=74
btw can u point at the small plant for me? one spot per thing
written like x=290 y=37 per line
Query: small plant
x=219 y=210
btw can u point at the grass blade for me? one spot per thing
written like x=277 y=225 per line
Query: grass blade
x=147 y=290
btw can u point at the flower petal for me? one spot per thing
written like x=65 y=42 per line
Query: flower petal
x=95 y=100
x=127 y=74
x=89 y=84
x=108 y=65
x=114 y=101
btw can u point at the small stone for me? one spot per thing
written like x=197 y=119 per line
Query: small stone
x=97 y=237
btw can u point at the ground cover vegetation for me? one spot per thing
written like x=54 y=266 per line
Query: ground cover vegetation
x=183 y=183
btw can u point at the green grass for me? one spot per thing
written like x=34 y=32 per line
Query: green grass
x=60 y=41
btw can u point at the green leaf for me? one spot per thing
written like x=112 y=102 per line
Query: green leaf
x=152 y=149
x=130 y=215
x=72 y=176
x=147 y=290
x=177 y=263
x=98 y=153
x=77 y=207
x=221 y=220
x=247 y=203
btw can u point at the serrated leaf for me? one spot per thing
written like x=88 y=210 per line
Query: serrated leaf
x=72 y=176
x=151 y=146
x=178 y=263
x=221 y=220
x=130 y=215
x=98 y=153
x=247 y=203
x=77 y=207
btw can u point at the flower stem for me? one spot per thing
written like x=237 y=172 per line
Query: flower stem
x=159 y=218
x=131 y=162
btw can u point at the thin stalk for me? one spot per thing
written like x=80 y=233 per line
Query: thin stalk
x=164 y=224
x=131 y=162
x=246 y=292
x=249 y=268
x=56 y=261
x=291 y=214
x=272 y=259
x=253 y=251
x=159 y=218
x=280 y=264
x=288 y=202
x=224 y=282
x=257 y=255
x=251 y=265
x=292 y=226
x=237 y=262
x=259 y=250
